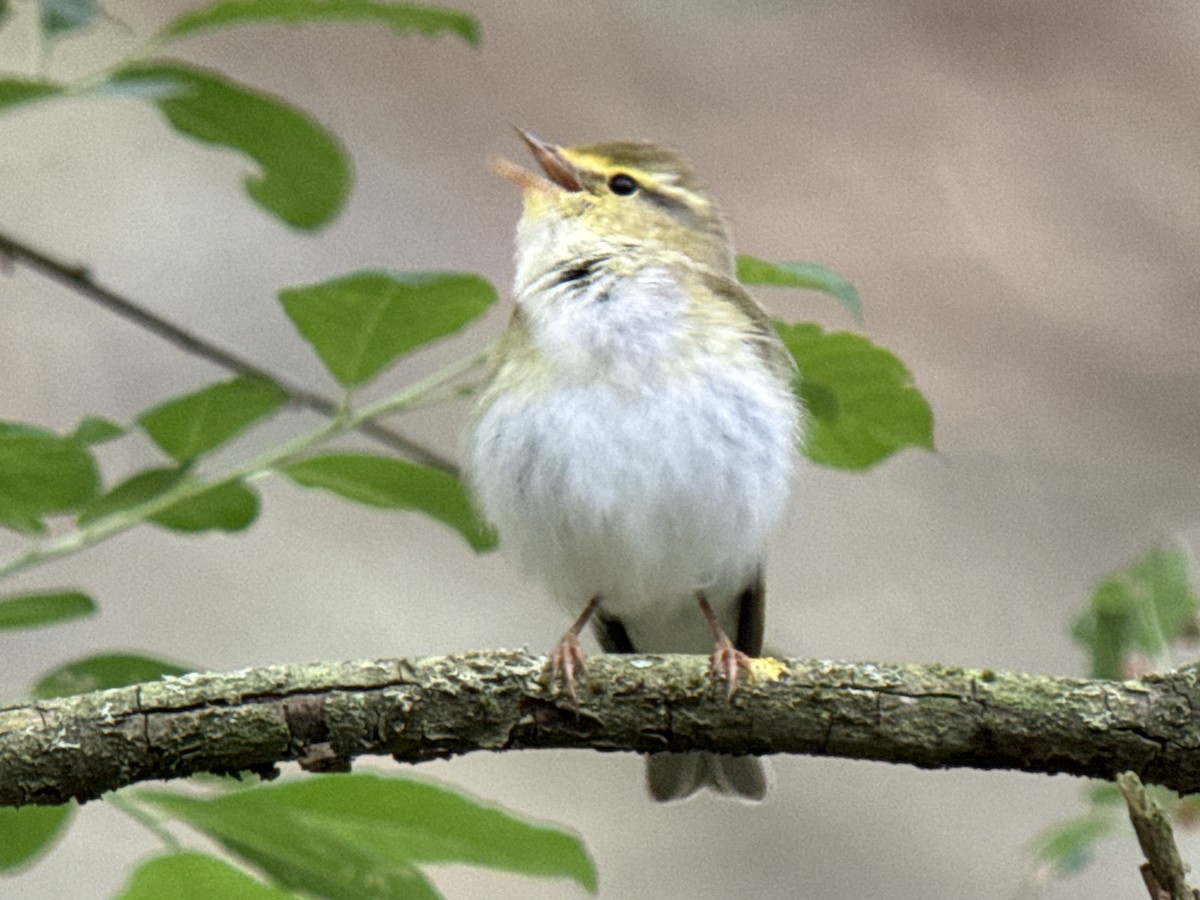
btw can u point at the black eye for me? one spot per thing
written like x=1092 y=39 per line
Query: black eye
x=622 y=185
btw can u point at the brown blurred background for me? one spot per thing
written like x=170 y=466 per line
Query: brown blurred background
x=1014 y=189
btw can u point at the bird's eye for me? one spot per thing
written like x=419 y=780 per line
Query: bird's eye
x=622 y=185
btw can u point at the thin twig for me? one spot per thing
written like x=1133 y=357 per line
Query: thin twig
x=187 y=489
x=1164 y=873
x=78 y=279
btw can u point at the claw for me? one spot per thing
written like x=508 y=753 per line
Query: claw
x=726 y=658
x=568 y=656
x=567 y=659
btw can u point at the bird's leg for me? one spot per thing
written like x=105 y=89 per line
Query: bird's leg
x=726 y=658
x=568 y=656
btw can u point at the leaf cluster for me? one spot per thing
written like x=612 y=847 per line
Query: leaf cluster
x=343 y=837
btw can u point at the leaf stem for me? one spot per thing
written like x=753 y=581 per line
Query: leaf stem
x=146 y=819
x=428 y=390
x=260 y=466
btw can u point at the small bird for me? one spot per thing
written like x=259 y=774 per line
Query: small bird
x=635 y=443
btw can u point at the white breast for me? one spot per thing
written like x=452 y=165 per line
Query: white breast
x=647 y=472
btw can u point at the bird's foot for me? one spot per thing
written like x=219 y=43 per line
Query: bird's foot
x=727 y=660
x=568 y=657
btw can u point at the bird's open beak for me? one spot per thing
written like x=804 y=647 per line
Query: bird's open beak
x=550 y=159
x=558 y=173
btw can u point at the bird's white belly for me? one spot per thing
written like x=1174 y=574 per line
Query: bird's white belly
x=642 y=494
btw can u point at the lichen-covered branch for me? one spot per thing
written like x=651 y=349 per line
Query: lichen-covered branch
x=1163 y=872
x=323 y=715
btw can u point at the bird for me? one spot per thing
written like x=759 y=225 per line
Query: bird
x=634 y=443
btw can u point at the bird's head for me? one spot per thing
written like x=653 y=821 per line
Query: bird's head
x=595 y=200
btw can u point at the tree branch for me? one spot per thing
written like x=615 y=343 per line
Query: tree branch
x=1163 y=872
x=324 y=714
x=80 y=280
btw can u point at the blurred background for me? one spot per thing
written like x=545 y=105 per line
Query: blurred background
x=1013 y=189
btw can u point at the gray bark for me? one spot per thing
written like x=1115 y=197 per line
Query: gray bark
x=323 y=715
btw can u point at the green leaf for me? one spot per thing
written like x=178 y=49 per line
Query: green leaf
x=304 y=173
x=20 y=522
x=809 y=276
x=1104 y=793
x=427 y=20
x=103 y=671
x=1141 y=608
x=394 y=484
x=194 y=876
x=227 y=506
x=35 y=610
x=23 y=429
x=132 y=492
x=15 y=91
x=60 y=17
x=338 y=834
x=362 y=322
x=862 y=404
x=28 y=832
x=97 y=430
x=41 y=473
x=1068 y=846
x=189 y=426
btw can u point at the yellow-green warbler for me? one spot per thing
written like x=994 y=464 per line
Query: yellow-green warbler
x=635 y=443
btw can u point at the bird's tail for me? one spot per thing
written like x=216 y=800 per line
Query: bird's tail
x=673 y=776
